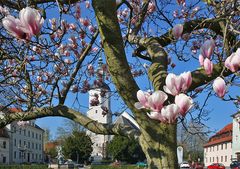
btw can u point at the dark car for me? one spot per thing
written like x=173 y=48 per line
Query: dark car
x=198 y=166
x=235 y=165
x=216 y=166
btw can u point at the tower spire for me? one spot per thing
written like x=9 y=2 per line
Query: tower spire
x=100 y=71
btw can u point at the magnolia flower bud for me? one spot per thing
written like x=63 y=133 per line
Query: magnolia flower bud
x=219 y=86
x=177 y=31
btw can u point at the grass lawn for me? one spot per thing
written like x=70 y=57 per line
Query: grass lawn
x=35 y=166
x=115 y=167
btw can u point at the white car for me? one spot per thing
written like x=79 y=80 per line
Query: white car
x=184 y=165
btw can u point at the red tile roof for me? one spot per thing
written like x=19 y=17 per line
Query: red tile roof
x=10 y=109
x=222 y=136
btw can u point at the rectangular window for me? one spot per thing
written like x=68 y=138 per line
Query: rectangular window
x=36 y=136
x=4 y=159
x=213 y=159
x=28 y=133
x=39 y=147
x=20 y=143
x=40 y=157
x=24 y=143
x=19 y=155
x=210 y=159
x=221 y=146
x=36 y=156
x=32 y=134
x=36 y=146
x=28 y=144
x=32 y=145
x=40 y=136
x=15 y=142
x=24 y=132
x=15 y=154
x=4 y=144
x=217 y=147
x=221 y=158
x=225 y=158
x=32 y=156
x=225 y=145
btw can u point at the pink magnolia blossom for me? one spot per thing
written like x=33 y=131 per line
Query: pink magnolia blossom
x=208 y=66
x=173 y=84
x=156 y=100
x=201 y=60
x=177 y=31
x=22 y=123
x=233 y=61
x=170 y=113
x=151 y=7
x=187 y=80
x=155 y=115
x=207 y=48
x=177 y=84
x=184 y=102
x=31 y=20
x=219 y=86
x=143 y=99
x=87 y=4
x=180 y=2
x=14 y=27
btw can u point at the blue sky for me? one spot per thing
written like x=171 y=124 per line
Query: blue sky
x=219 y=116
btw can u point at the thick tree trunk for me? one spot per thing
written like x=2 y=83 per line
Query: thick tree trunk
x=160 y=145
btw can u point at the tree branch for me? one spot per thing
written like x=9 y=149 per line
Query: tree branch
x=64 y=111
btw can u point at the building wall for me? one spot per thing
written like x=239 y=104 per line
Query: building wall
x=4 y=150
x=220 y=153
x=95 y=113
x=26 y=143
x=236 y=135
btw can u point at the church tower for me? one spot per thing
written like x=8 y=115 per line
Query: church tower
x=99 y=110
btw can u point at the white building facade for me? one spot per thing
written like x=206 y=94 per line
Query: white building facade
x=236 y=137
x=100 y=112
x=224 y=146
x=25 y=143
x=4 y=146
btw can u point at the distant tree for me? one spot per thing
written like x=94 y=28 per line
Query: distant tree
x=67 y=128
x=125 y=149
x=47 y=135
x=192 y=137
x=52 y=152
x=77 y=146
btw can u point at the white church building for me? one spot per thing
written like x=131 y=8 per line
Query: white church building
x=98 y=112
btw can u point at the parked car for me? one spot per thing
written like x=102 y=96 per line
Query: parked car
x=71 y=163
x=198 y=166
x=184 y=165
x=141 y=164
x=235 y=165
x=216 y=166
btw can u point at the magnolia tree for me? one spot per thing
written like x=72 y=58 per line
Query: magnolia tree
x=49 y=51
